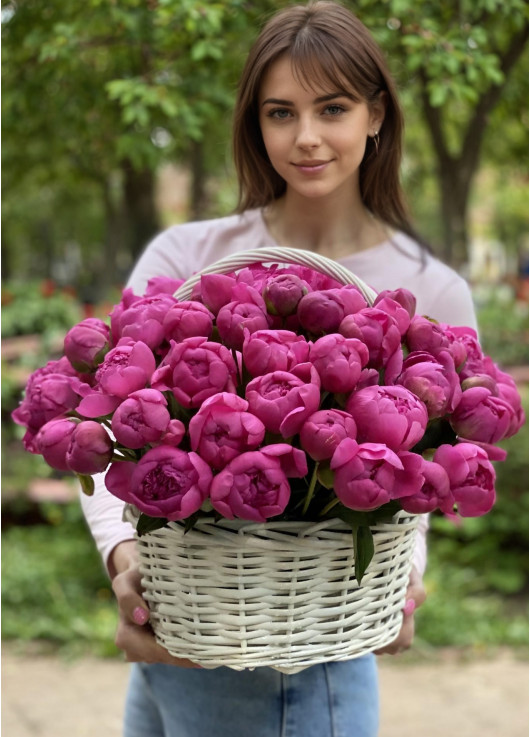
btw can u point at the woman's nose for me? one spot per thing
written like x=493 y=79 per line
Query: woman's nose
x=307 y=134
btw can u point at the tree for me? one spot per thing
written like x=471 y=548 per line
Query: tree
x=454 y=60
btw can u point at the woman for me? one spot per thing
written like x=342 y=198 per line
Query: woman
x=317 y=144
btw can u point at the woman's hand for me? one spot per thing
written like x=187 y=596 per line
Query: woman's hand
x=134 y=635
x=414 y=598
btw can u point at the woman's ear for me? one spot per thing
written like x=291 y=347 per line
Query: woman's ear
x=377 y=112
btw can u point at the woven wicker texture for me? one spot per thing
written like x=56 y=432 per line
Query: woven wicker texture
x=280 y=594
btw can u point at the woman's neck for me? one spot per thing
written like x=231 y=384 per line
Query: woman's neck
x=330 y=228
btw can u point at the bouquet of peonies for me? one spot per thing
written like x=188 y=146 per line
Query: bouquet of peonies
x=274 y=392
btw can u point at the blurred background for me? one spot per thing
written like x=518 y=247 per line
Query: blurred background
x=116 y=123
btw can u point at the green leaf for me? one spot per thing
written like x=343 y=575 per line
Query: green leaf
x=149 y=524
x=87 y=484
x=363 y=548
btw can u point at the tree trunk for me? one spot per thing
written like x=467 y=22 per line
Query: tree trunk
x=456 y=173
x=140 y=209
x=198 y=197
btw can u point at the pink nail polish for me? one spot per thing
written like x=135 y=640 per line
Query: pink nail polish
x=410 y=606
x=140 y=615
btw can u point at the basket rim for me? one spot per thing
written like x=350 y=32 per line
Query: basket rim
x=242 y=259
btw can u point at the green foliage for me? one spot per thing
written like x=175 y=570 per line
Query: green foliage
x=28 y=309
x=54 y=587
x=503 y=328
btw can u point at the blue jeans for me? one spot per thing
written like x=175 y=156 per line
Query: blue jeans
x=329 y=700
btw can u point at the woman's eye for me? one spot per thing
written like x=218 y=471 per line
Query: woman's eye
x=334 y=110
x=280 y=114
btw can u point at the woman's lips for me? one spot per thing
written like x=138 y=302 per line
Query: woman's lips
x=311 y=167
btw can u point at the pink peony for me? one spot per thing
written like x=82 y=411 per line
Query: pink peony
x=143 y=320
x=323 y=311
x=284 y=400
x=482 y=416
x=381 y=334
x=125 y=369
x=273 y=350
x=430 y=336
x=433 y=380
x=53 y=440
x=187 y=320
x=195 y=370
x=368 y=475
x=388 y=414
x=339 y=362
x=166 y=482
x=246 y=311
x=86 y=343
x=434 y=494
x=90 y=450
x=400 y=304
x=141 y=419
x=471 y=477
x=323 y=431
x=283 y=293
x=215 y=290
x=50 y=392
x=222 y=429
x=162 y=285
x=507 y=390
x=255 y=485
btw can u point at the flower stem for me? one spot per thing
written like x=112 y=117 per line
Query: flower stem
x=311 y=489
x=329 y=507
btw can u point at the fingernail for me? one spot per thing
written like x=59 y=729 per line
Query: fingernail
x=140 y=615
x=410 y=606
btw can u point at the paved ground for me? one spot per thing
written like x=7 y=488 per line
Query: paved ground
x=445 y=696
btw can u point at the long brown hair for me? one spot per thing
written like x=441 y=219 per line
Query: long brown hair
x=327 y=44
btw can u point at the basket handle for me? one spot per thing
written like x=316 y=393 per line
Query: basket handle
x=283 y=256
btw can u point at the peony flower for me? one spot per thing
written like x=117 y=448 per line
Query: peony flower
x=248 y=312
x=323 y=311
x=222 y=429
x=507 y=390
x=141 y=419
x=388 y=414
x=400 y=304
x=86 y=343
x=50 y=392
x=273 y=350
x=482 y=416
x=53 y=440
x=173 y=435
x=432 y=337
x=195 y=370
x=125 y=369
x=143 y=320
x=187 y=320
x=90 y=450
x=368 y=475
x=283 y=293
x=255 y=485
x=284 y=400
x=162 y=285
x=215 y=290
x=339 y=362
x=166 y=482
x=475 y=360
x=471 y=477
x=323 y=431
x=433 y=380
x=435 y=492
x=381 y=335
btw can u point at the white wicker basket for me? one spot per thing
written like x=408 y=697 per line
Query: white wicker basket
x=280 y=594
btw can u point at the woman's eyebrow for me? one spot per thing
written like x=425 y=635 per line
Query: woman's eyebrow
x=316 y=101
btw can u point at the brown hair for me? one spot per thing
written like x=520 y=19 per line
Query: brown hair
x=326 y=43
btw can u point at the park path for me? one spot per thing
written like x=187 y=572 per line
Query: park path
x=441 y=696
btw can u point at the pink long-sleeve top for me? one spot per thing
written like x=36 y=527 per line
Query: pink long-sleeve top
x=182 y=250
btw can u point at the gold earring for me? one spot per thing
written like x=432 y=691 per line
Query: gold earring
x=376 y=142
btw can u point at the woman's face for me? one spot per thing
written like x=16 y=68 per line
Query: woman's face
x=315 y=138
